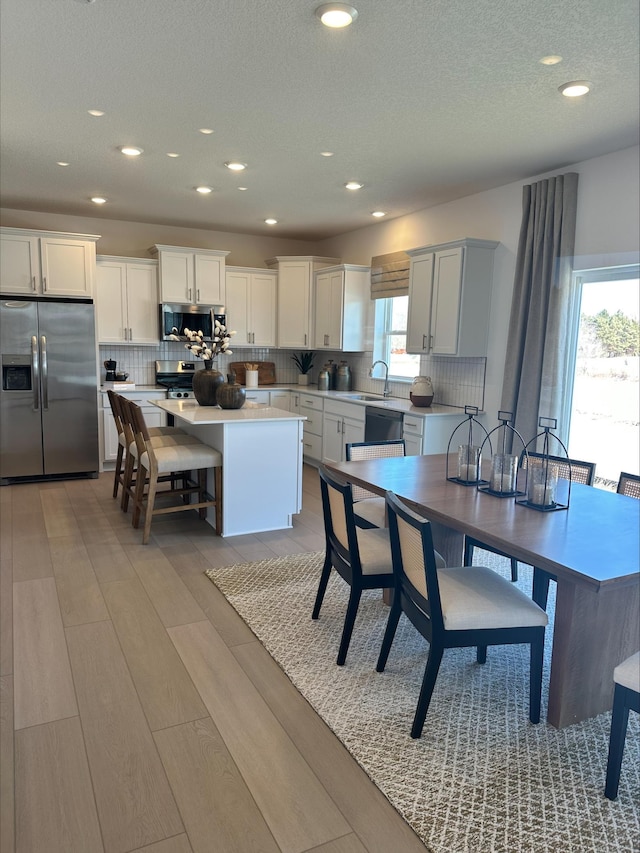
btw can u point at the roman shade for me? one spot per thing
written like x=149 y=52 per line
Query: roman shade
x=390 y=275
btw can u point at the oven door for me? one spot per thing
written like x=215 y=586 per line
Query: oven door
x=174 y=319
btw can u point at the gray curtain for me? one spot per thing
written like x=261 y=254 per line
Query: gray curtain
x=535 y=366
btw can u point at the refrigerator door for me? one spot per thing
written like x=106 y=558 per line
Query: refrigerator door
x=68 y=387
x=20 y=414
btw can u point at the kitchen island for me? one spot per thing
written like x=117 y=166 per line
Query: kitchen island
x=261 y=450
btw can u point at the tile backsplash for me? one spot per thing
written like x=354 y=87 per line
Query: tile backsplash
x=456 y=381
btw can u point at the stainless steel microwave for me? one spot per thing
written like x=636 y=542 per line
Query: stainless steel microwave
x=196 y=318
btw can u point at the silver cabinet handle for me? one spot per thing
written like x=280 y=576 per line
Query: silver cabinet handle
x=130 y=333
x=45 y=373
x=33 y=283
x=35 y=372
x=424 y=342
x=44 y=282
x=430 y=342
x=305 y=339
x=198 y=295
x=188 y=294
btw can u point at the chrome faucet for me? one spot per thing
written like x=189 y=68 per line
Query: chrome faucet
x=386 y=391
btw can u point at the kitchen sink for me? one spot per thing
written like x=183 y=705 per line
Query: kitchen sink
x=367 y=397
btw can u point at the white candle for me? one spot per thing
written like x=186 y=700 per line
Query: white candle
x=468 y=472
x=541 y=495
x=506 y=483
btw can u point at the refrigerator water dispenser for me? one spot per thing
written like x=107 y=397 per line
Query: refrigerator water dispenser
x=16 y=373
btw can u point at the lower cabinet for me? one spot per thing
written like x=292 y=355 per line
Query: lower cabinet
x=311 y=407
x=153 y=418
x=280 y=400
x=343 y=423
x=412 y=430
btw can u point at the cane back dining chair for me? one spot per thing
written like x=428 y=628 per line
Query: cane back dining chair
x=369 y=508
x=362 y=557
x=629 y=484
x=455 y=607
x=626 y=696
x=577 y=471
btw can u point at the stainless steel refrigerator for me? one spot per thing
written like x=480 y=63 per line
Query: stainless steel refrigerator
x=48 y=397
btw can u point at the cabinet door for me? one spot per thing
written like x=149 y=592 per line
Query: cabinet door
x=111 y=317
x=68 y=266
x=110 y=437
x=294 y=290
x=412 y=444
x=420 y=288
x=262 y=310
x=19 y=264
x=142 y=304
x=332 y=438
x=176 y=277
x=328 y=310
x=209 y=280
x=237 y=307
x=445 y=309
x=280 y=399
x=352 y=431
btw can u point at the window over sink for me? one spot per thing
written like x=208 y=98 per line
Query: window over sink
x=391 y=338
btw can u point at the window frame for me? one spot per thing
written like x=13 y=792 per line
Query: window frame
x=384 y=333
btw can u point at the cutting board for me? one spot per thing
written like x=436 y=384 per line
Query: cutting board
x=266 y=372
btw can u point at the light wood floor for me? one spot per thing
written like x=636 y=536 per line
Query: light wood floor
x=137 y=710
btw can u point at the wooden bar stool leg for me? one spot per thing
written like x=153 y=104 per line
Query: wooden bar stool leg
x=202 y=491
x=150 y=501
x=218 y=507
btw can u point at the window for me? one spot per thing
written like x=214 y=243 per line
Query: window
x=604 y=404
x=391 y=337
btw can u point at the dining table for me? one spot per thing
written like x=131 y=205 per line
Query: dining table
x=591 y=548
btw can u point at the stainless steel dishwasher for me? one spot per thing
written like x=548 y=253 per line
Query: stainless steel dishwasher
x=382 y=424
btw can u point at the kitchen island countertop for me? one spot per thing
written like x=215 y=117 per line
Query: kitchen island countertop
x=193 y=413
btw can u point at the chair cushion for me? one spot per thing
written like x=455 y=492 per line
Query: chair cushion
x=165 y=430
x=165 y=441
x=372 y=510
x=476 y=597
x=183 y=457
x=375 y=551
x=627 y=673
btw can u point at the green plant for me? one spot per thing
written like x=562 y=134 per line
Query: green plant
x=304 y=361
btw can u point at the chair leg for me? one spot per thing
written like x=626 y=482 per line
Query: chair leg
x=217 y=480
x=202 y=492
x=619 y=720
x=118 y=472
x=389 y=632
x=127 y=480
x=322 y=587
x=138 y=498
x=467 y=559
x=514 y=570
x=426 y=691
x=536 y=657
x=540 y=589
x=151 y=499
x=481 y=654
x=349 y=621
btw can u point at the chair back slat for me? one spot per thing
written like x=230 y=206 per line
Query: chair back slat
x=629 y=484
x=568 y=469
x=357 y=450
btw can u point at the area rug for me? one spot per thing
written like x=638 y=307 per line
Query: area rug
x=481 y=779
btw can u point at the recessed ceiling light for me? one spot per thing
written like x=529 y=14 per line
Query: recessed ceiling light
x=62 y=163
x=575 y=89
x=98 y=199
x=271 y=221
x=336 y=15
x=378 y=213
x=235 y=166
x=96 y=112
x=243 y=188
x=206 y=130
x=552 y=59
x=131 y=150
x=172 y=154
x=354 y=185
x=204 y=190
x=327 y=153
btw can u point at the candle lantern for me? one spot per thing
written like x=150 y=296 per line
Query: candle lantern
x=546 y=487
x=503 y=479
x=469 y=460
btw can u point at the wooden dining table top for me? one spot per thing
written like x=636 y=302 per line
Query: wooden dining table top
x=596 y=541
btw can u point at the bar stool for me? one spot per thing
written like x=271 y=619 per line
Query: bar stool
x=169 y=458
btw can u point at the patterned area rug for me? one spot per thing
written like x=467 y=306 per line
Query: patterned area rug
x=481 y=779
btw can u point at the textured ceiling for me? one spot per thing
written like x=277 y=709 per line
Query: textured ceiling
x=423 y=101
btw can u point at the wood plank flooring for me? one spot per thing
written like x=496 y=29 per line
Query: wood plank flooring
x=138 y=713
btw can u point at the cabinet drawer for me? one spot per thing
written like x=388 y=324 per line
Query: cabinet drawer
x=311 y=402
x=258 y=396
x=345 y=410
x=313 y=424
x=312 y=446
x=413 y=425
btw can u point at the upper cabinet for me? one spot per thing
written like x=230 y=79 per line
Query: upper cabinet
x=127 y=300
x=251 y=306
x=342 y=308
x=450 y=298
x=191 y=276
x=47 y=263
x=295 y=298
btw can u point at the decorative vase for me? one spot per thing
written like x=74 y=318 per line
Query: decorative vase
x=230 y=396
x=206 y=383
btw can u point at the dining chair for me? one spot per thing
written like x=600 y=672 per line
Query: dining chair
x=369 y=508
x=629 y=484
x=577 y=471
x=455 y=607
x=626 y=696
x=172 y=459
x=362 y=557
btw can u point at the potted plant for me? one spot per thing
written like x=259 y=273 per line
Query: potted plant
x=304 y=363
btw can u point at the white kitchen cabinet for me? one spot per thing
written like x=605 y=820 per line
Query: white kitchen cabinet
x=47 y=263
x=295 y=311
x=280 y=400
x=153 y=417
x=251 y=306
x=191 y=276
x=253 y=395
x=127 y=301
x=342 y=308
x=412 y=431
x=450 y=298
x=311 y=407
x=343 y=423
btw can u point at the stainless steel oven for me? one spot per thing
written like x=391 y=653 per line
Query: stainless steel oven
x=174 y=319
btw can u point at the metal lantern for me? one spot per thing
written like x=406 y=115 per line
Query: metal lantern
x=547 y=486
x=503 y=479
x=469 y=465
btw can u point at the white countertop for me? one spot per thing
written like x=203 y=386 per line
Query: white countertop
x=193 y=413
